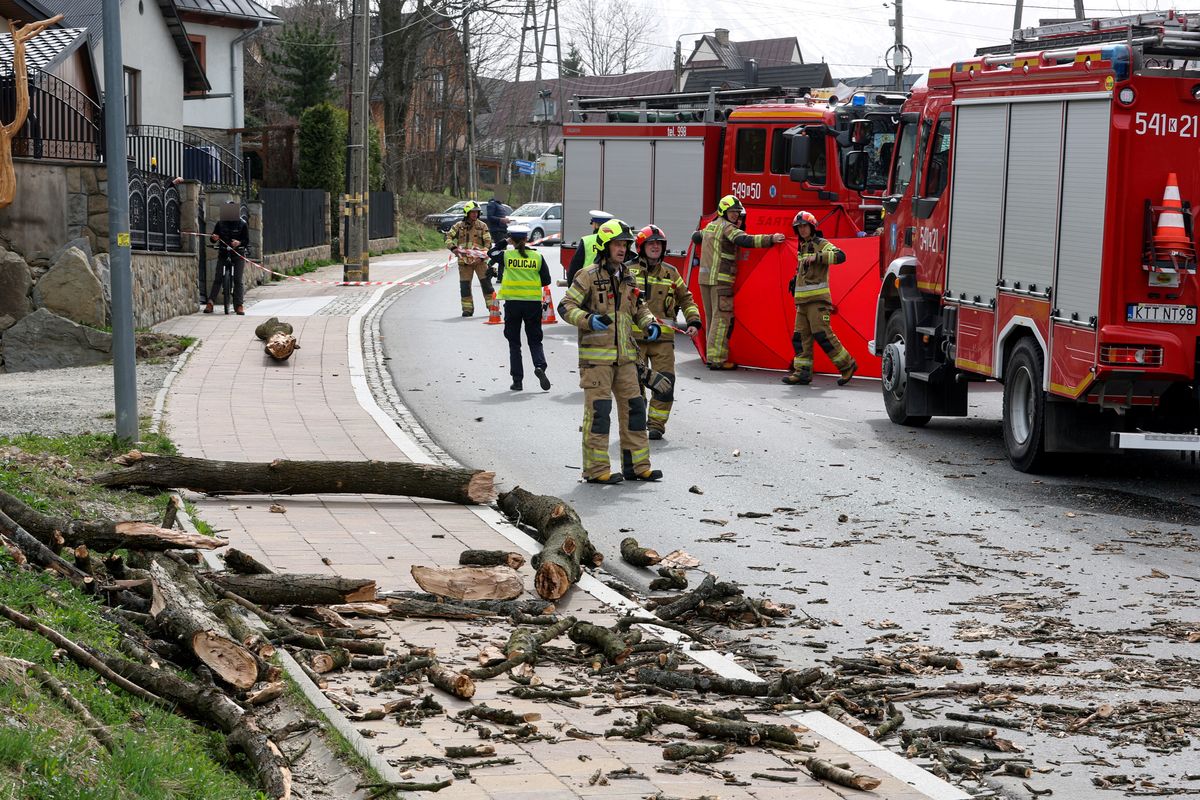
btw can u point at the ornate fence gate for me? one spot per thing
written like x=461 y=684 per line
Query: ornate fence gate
x=154 y=212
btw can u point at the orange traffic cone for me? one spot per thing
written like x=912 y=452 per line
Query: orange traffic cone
x=1173 y=247
x=548 y=317
x=493 y=311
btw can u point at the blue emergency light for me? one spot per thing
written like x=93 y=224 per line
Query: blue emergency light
x=858 y=100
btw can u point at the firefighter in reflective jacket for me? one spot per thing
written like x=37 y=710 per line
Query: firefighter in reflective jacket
x=719 y=243
x=603 y=303
x=665 y=293
x=814 y=306
x=523 y=273
x=585 y=252
x=471 y=233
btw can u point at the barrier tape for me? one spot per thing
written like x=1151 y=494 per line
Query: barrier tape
x=302 y=279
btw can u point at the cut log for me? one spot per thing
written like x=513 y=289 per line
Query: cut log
x=458 y=684
x=826 y=771
x=297 y=589
x=701 y=753
x=469 y=583
x=566 y=548
x=603 y=640
x=499 y=716
x=687 y=681
x=470 y=751
x=104 y=535
x=281 y=346
x=266 y=694
x=452 y=484
x=323 y=661
x=491 y=558
x=244 y=564
x=638 y=556
x=38 y=553
x=266 y=330
x=181 y=606
x=522 y=648
x=689 y=601
x=669 y=580
x=504 y=608
x=718 y=727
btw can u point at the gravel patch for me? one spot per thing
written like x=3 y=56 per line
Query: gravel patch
x=61 y=402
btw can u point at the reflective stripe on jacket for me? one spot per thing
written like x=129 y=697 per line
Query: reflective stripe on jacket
x=719 y=245
x=598 y=290
x=664 y=293
x=469 y=236
x=812 y=279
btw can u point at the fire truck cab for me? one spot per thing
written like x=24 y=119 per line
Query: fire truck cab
x=1039 y=231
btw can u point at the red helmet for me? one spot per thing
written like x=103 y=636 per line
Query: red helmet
x=804 y=217
x=651 y=233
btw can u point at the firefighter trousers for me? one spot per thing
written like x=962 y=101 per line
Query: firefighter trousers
x=602 y=386
x=525 y=314
x=465 y=273
x=718 y=307
x=660 y=358
x=812 y=325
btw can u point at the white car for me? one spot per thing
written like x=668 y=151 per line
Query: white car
x=542 y=219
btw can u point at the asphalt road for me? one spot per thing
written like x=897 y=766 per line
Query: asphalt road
x=910 y=538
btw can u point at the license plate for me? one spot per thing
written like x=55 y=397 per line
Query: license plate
x=1146 y=312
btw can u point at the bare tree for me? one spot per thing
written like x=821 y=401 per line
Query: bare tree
x=614 y=36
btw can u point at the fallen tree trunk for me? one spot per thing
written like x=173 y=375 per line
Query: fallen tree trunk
x=566 y=548
x=104 y=535
x=469 y=583
x=297 y=589
x=503 y=608
x=638 y=556
x=182 y=607
x=491 y=558
x=451 y=484
x=38 y=553
x=265 y=330
x=243 y=563
x=281 y=346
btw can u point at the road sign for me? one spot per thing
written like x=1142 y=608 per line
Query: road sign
x=524 y=167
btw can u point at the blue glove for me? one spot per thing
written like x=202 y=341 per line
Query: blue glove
x=595 y=323
x=653 y=331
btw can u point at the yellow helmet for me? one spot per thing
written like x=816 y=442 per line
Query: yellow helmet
x=470 y=206
x=727 y=203
x=614 y=230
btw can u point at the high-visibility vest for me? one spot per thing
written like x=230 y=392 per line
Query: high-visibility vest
x=591 y=246
x=522 y=276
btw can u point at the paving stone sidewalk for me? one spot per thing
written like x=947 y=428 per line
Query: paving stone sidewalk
x=231 y=402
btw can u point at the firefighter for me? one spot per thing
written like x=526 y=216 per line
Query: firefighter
x=810 y=287
x=604 y=305
x=719 y=243
x=665 y=293
x=470 y=233
x=585 y=252
x=523 y=273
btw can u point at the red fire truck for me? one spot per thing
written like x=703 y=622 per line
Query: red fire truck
x=1034 y=235
x=667 y=159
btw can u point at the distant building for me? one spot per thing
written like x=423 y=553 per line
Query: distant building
x=717 y=62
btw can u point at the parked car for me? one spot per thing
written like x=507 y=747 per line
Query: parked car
x=542 y=219
x=446 y=219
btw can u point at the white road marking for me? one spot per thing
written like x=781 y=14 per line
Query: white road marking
x=290 y=306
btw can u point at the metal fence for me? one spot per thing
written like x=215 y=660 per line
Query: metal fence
x=154 y=212
x=63 y=122
x=293 y=219
x=382 y=215
x=178 y=153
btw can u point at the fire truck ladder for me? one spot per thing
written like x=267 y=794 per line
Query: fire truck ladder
x=710 y=106
x=1170 y=34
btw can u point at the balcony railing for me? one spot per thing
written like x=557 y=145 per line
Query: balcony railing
x=63 y=122
x=177 y=153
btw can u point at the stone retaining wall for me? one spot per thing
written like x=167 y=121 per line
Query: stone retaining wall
x=290 y=259
x=379 y=245
x=164 y=286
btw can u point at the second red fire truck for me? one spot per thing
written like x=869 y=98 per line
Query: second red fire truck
x=1040 y=231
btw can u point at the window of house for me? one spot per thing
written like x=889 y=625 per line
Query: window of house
x=437 y=132
x=133 y=96
x=751 y=150
x=439 y=86
x=199 y=47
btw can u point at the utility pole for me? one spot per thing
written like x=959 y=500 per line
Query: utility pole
x=1017 y=15
x=898 y=56
x=357 y=258
x=469 y=82
x=120 y=275
x=1079 y=9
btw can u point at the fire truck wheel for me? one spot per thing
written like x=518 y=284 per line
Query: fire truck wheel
x=895 y=375
x=1025 y=407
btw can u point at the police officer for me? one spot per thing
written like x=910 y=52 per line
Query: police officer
x=810 y=287
x=665 y=293
x=585 y=252
x=604 y=305
x=523 y=273
x=470 y=233
x=719 y=243
x=495 y=216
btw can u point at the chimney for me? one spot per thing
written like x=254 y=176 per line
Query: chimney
x=722 y=35
x=750 y=71
x=880 y=78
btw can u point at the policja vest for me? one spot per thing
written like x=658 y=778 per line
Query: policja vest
x=522 y=276
x=590 y=245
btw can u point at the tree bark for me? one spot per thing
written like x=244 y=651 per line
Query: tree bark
x=297 y=589
x=243 y=564
x=491 y=558
x=451 y=484
x=566 y=548
x=458 y=684
x=469 y=583
x=181 y=606
x=689 y=601
x=686 y=681
x=265 y=330
x=638 y=556
x=281 y=346
x=104 y=535
x=611 y=644
x=843 y=777
x=38 y=553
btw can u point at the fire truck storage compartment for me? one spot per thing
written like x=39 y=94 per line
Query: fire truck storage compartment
x=977 y=206
x=583 y=160
x=627 y=167
x=678 y=189
x=1031 y=196
x=1081 y=229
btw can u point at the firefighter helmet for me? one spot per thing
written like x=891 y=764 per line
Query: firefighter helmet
x=728 y=202
x=804 y=218
x=651 y=233
x=614 y=230
x=470 y=206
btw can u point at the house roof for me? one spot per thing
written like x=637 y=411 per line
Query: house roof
x=47 y=49
x=88 y=14
x=23 y=10
x=247 y=10
x=732 y=55
x=799 y=76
